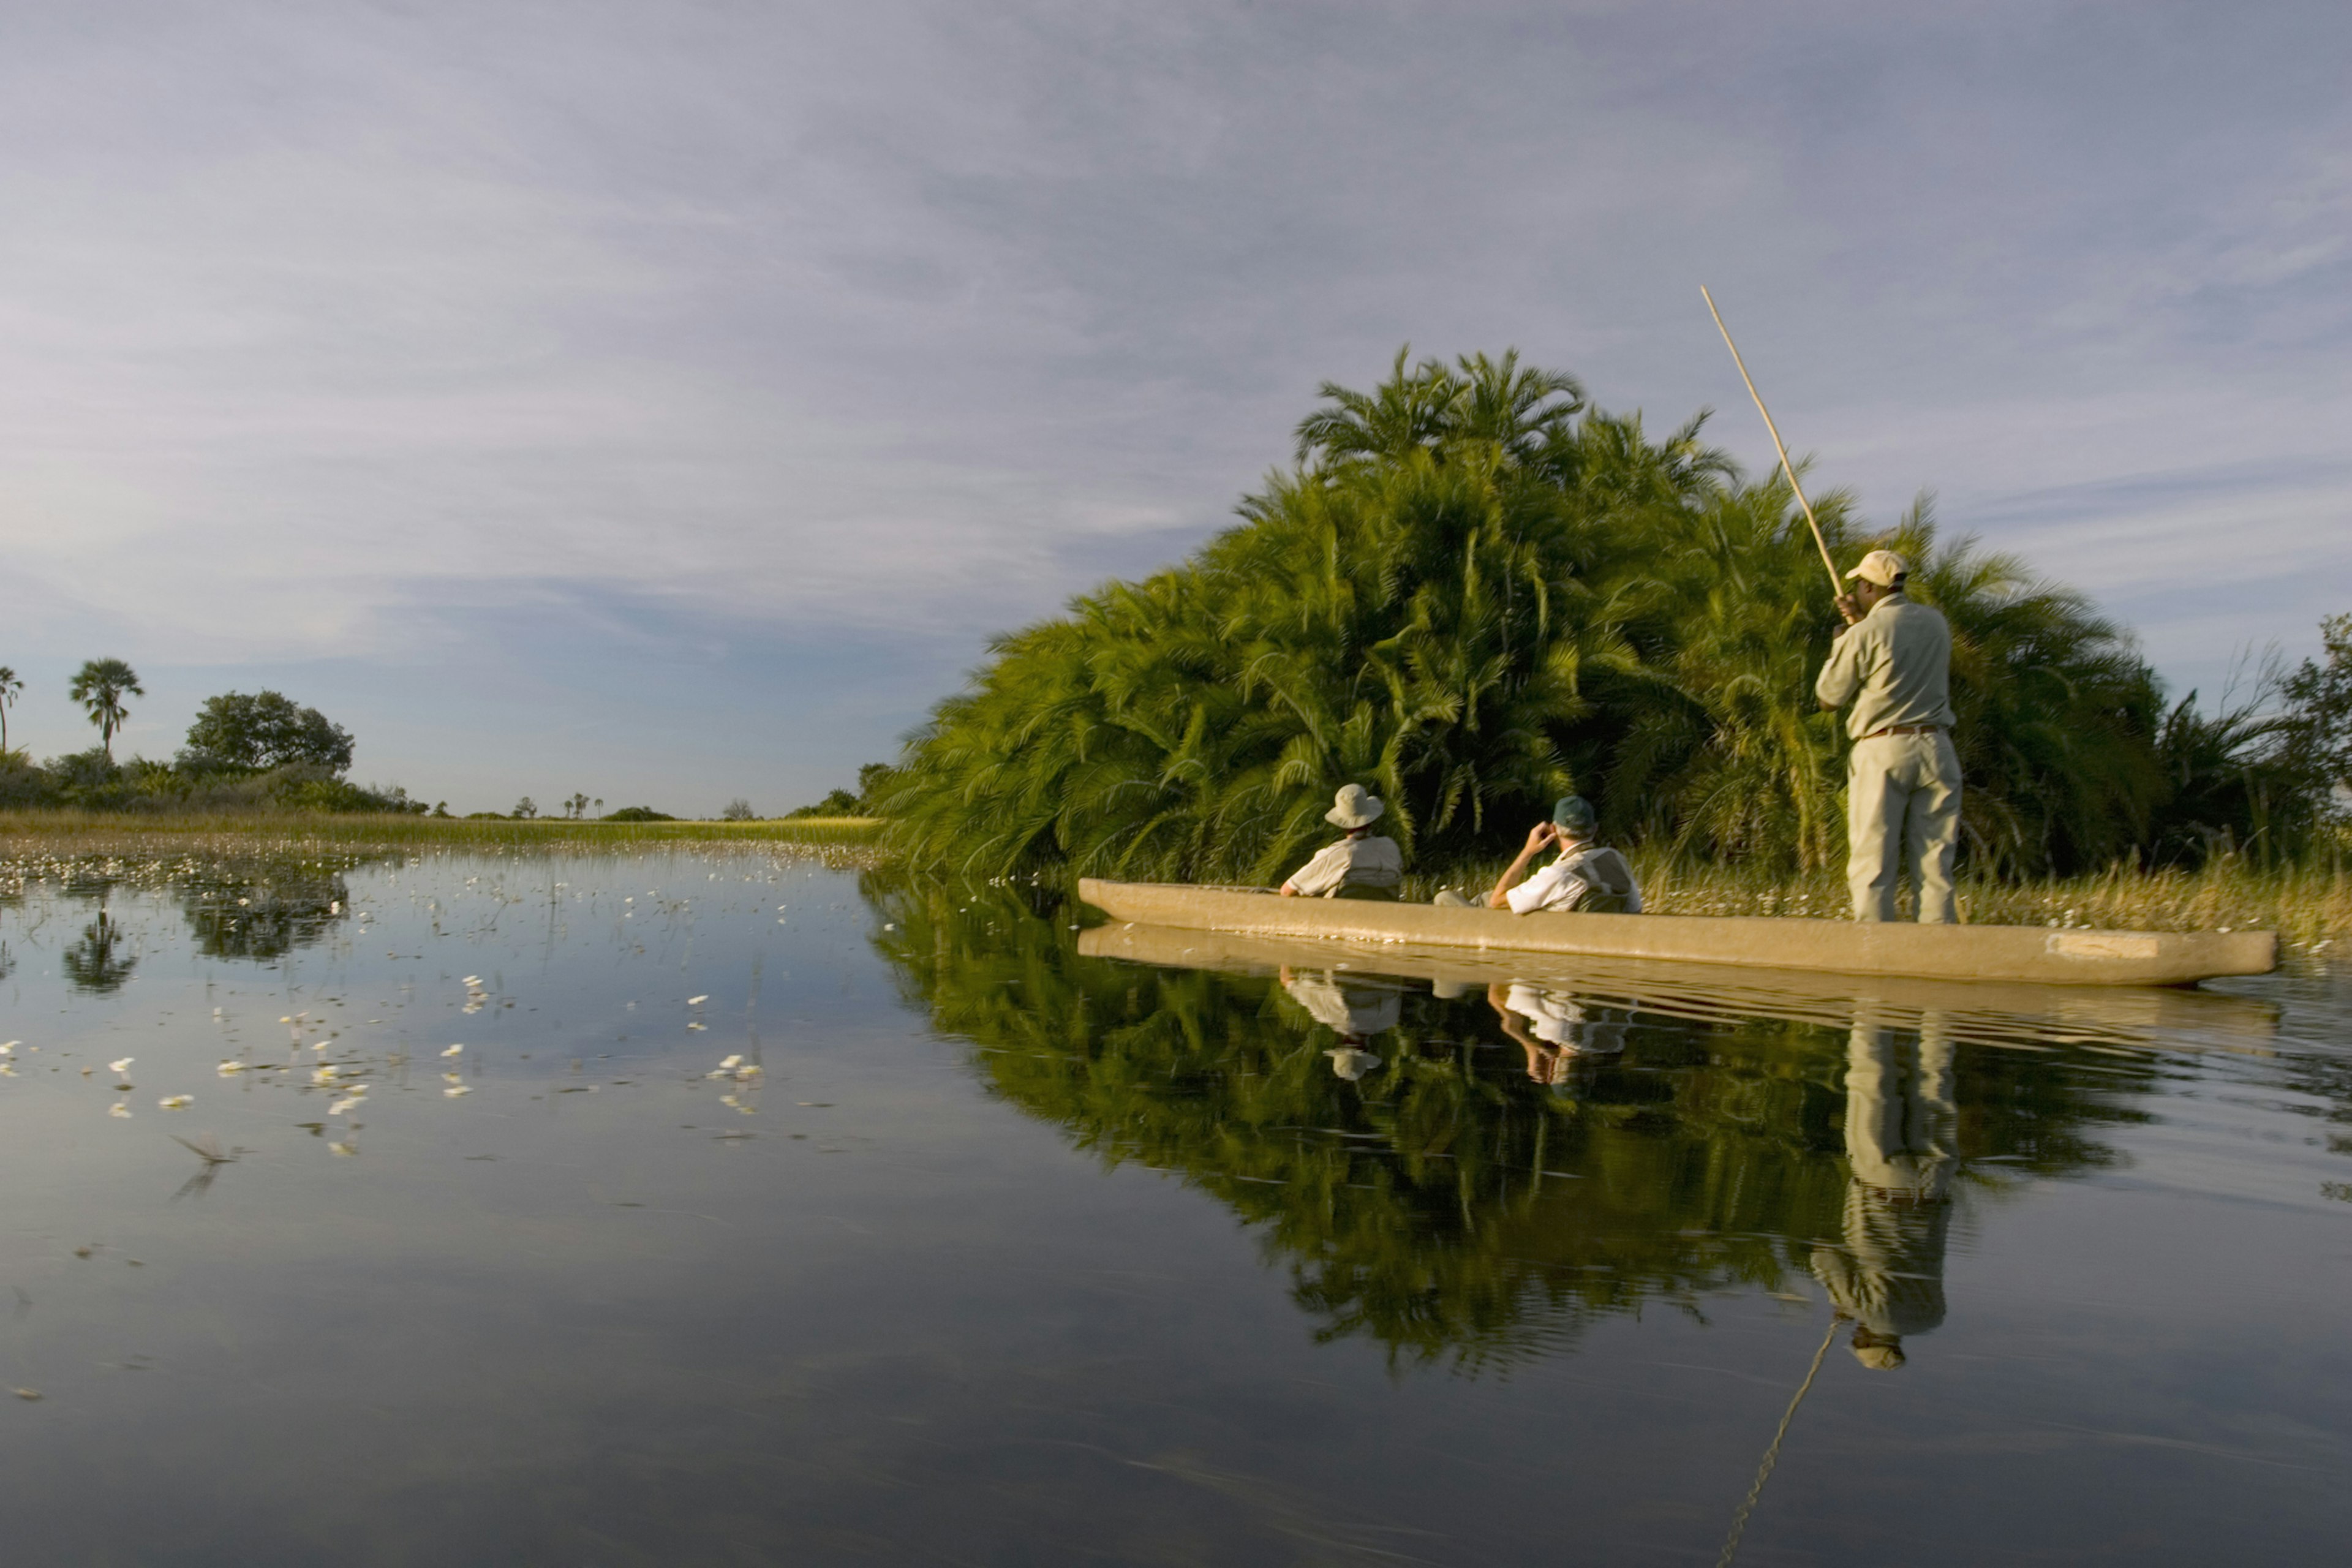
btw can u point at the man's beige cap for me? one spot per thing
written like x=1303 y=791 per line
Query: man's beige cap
x=1883 y=567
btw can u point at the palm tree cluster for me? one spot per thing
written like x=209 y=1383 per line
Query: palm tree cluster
x=1475 y=592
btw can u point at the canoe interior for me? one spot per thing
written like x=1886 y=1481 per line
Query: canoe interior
x=2029 y=955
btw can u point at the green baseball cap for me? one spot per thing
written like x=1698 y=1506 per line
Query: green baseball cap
x=1573 y=814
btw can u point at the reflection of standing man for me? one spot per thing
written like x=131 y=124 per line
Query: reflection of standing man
x=1894 y=663
x=1354 y=1008
x=1901 y=1146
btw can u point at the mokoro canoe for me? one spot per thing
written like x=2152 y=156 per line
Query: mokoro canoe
x=2033 y=954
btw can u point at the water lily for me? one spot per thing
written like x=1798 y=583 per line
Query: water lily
x=122 y=1064
x=698 y=1001
x=454 y=1051
x=453 y=1090
x=118 y=1109
x=176 y=1101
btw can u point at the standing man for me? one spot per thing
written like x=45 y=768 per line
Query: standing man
x=1894 y=662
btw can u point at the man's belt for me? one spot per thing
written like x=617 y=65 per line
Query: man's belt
x=1907 y=729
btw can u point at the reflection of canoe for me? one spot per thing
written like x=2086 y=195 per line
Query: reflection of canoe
x=2027 y=954
x=1990 y=1013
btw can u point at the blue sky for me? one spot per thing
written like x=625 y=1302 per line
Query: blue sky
x=666 y=402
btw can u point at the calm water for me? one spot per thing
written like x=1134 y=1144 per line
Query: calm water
x=768 y=1215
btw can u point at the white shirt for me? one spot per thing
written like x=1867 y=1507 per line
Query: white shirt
x=1371 y=862
x=1563 y=884
x=1562 y=1020
x=1358 y=1005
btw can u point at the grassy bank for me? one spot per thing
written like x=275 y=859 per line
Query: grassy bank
x=2306 y=904
x=88 y=832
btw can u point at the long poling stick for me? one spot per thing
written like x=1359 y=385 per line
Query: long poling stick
x=1772 y=1454
x=1837 y=585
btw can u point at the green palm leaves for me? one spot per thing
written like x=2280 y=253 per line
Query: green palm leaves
x=99 y=686
x=1475 y=593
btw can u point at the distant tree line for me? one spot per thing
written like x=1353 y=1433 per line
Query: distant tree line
x=261 y=749
x=1473 y=592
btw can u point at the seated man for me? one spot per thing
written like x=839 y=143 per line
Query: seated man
x=1586 y=877
x=1363 y=865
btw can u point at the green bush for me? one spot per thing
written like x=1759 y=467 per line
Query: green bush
x=1474 y=593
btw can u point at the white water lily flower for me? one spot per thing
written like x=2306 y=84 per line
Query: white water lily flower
x=699 y=1028
x=471 y=980
x=341 y=1150
x=698 y=1001
x=454 y=1090
x=119 y=1109
x=453 y=1077
x=731 y=1062
x=176 y=1101
x=339 y=1107
x=749 y=1069
x=123 y=1065
x=454 y=1051
x=327 y=1074
x=227 y=1068
x=10 y=1049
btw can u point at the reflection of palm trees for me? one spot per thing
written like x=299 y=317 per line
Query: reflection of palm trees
x=92 y=965
x=1902 y=1147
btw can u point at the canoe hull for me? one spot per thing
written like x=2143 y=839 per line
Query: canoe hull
x=2023 y=953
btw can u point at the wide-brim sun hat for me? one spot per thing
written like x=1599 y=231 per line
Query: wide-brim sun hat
x=1354 y=807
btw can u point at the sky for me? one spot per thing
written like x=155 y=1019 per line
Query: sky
x=667 y=402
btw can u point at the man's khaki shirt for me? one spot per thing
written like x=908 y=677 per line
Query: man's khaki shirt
x=1898 y=658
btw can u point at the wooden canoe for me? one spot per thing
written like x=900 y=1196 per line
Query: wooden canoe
x=2029 y=955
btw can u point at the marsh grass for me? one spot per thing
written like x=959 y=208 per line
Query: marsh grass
x=2307 y=904
x=83 y=832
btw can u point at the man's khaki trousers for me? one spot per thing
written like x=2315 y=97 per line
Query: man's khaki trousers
x=1902 y=814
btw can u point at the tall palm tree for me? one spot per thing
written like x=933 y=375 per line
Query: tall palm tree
x=11 y=687
x=99 y=686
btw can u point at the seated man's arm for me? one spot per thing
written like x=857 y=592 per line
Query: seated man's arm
x=1540 y=838
x=1318 y=875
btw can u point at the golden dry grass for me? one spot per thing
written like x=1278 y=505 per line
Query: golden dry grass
x=82 y=832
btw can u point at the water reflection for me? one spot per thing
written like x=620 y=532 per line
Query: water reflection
x=97 y=964
x=1902 y=1150
x=1471 y=1165
x=1557 y=1029
x=1353 y=1006
x=263 y=911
